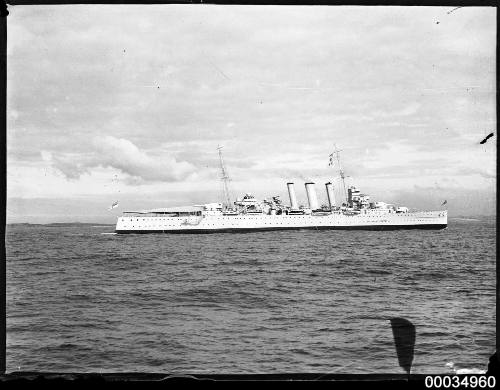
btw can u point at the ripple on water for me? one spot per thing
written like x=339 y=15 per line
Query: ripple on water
x=294 y=301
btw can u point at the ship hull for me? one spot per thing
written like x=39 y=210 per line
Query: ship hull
x=250 y=230
x=434 y=220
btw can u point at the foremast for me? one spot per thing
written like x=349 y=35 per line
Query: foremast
x=226 y=195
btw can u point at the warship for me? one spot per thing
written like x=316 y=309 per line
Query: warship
x=248 y=214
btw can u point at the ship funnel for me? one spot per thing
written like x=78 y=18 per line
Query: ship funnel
x=293 y=199
x=330 y=194
x=311 y=196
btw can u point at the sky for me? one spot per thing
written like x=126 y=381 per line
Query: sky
x=128 y=103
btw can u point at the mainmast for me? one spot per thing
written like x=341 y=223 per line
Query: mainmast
x=225 y=180
x=341 y=171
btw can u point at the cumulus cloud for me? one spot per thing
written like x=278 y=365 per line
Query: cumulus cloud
x=70 y=167
x=121 y=154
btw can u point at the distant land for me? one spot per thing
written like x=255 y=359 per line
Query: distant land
x=481 y=217
x=62 y=224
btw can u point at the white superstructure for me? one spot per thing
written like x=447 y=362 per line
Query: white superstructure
x=249 y=214
x=205 y=221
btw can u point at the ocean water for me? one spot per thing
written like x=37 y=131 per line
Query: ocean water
x=263 y=302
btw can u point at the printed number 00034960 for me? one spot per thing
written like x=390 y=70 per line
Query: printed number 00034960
x=437 y=381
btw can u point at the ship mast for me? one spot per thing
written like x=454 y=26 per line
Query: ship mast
x=341 y=171
x=225 y=180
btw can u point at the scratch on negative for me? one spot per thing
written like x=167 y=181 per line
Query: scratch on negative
x=454 y=9
x=486 y=138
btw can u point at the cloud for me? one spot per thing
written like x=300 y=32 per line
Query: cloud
x=405 y=111
x=484 y=172
x=125 y=156
x=71 y=169
x=122 y=154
